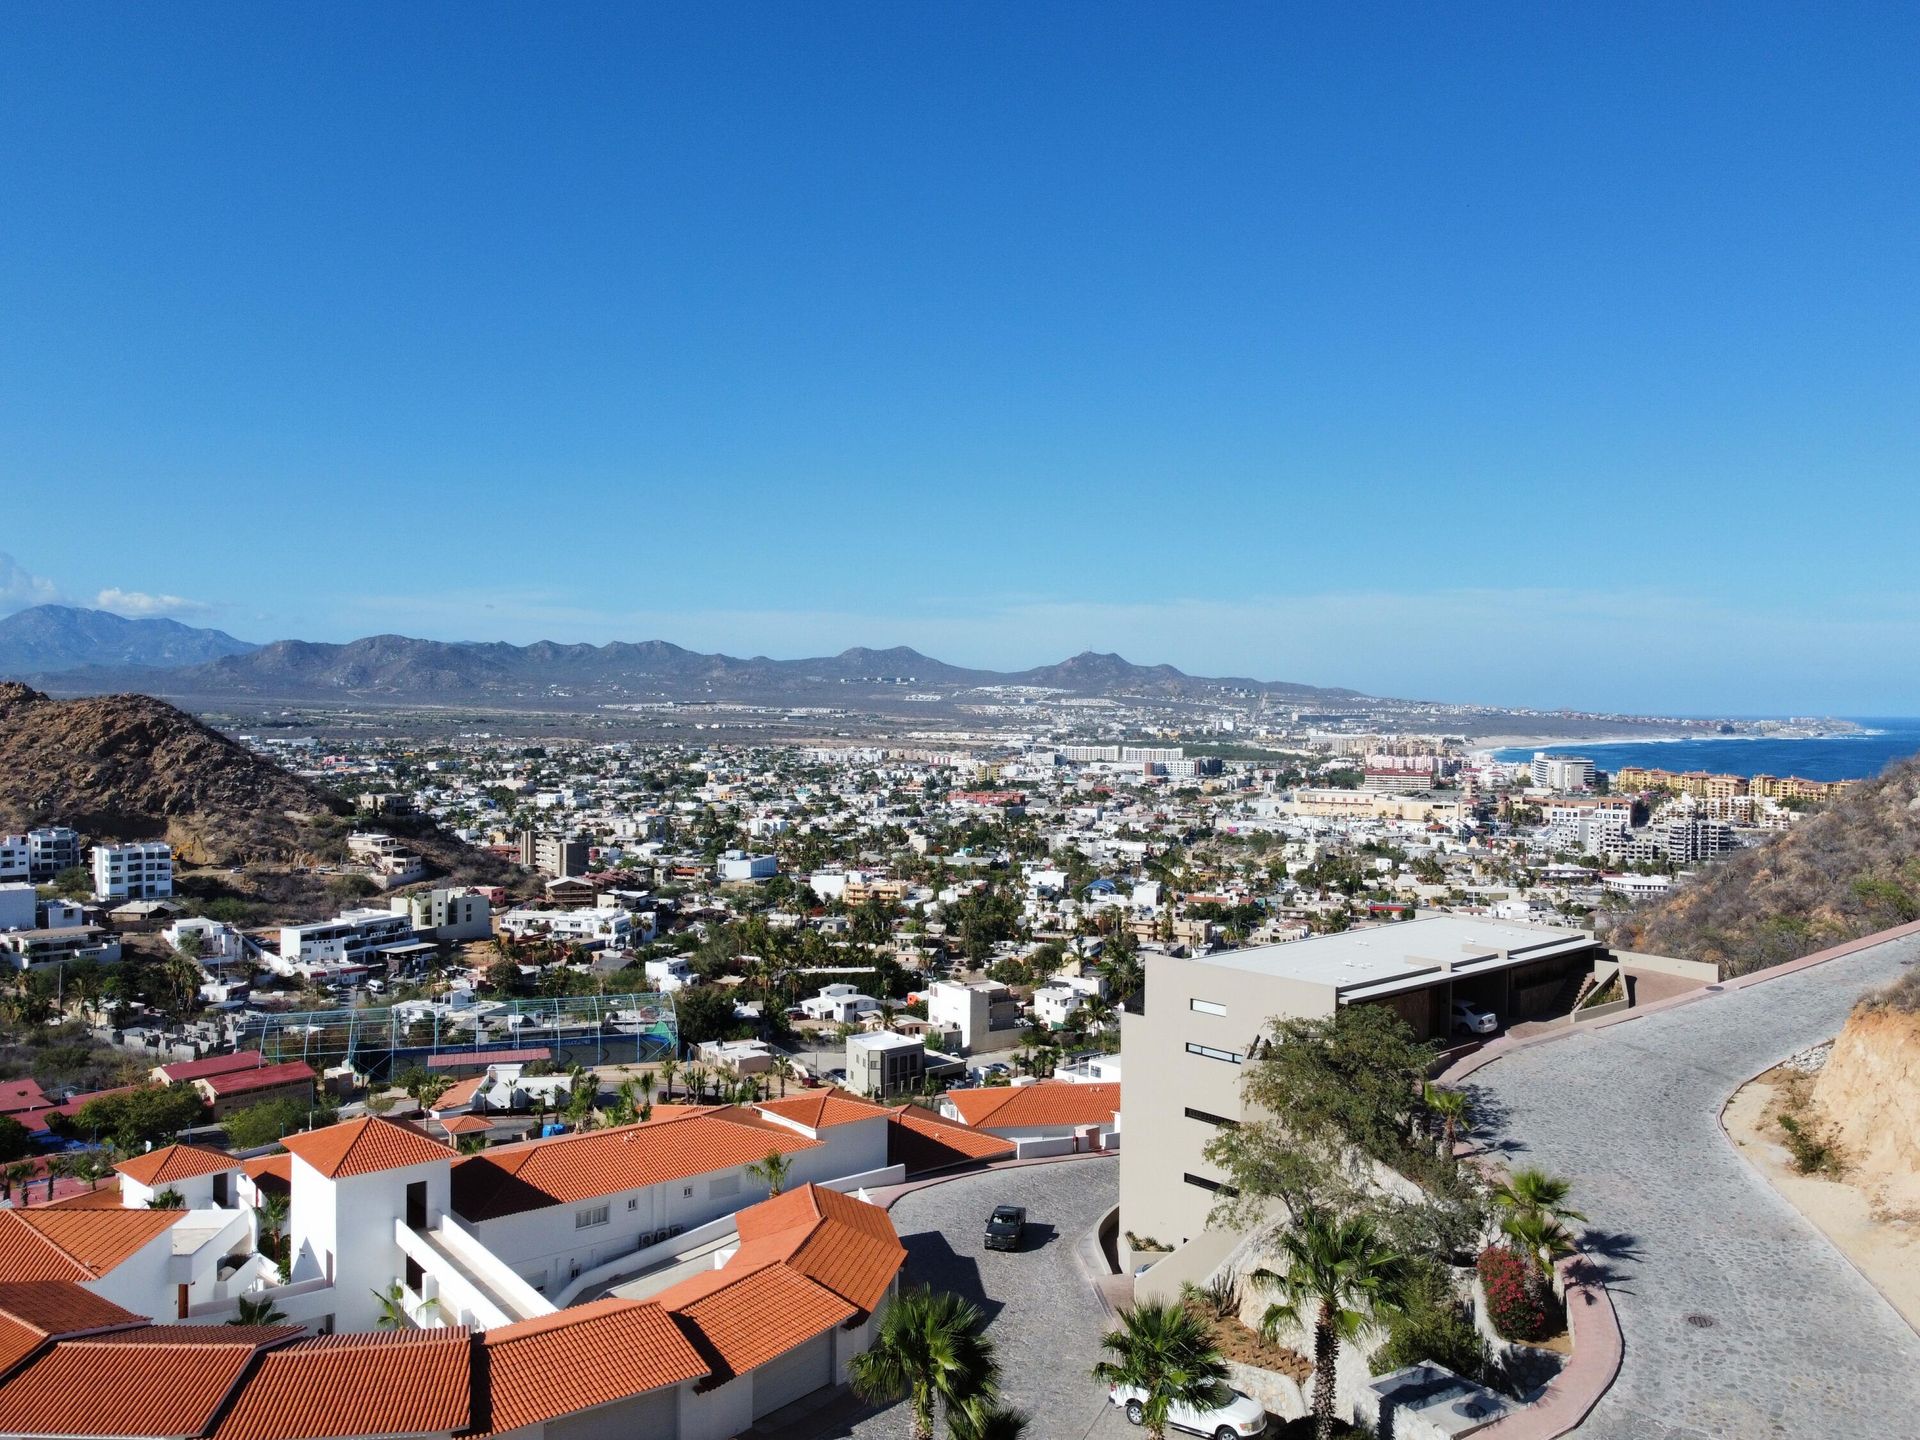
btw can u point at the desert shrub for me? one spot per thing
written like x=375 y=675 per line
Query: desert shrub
x=1812 y=1152
x=1432 y=1324
x=1515 y=1303
x=1902 y=995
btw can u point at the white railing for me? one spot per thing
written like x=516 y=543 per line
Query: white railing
x=472 y=1253
x=636 y=1262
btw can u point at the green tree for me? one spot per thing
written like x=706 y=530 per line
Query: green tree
x=669 y=1068
x=16 y=1141
x=1540 y=1237
x=1164 y=1350
x=270 y=1215
x=131 y=1120
x=929 y=1350
x=268 y=1121
x=393 y=1307
x=1532 y=1192
x=250 y=1310
x=168 y=1199
x=1339 y=1276
x=774 y=1170
x=1454 y=1112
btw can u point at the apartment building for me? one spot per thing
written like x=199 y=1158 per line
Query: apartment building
x=554 y=854
x=141 y=870
x=16 y=858
x=51 y=849
x=1204 y=1016
x=1588 y=826
x=353 y=938
x=67 y=945
x=1562 y=773
x=446 y=914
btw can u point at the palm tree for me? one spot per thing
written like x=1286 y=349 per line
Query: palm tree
x=783 y=1067
x=984 y=1420
x=774 y=1170
x=646 y=1088
x=697 y=1082
x=669 y=1068
x=1163 y=1350
x=1342 y=1274
x=393 y=1307
x=1542 y=1238
x=168 y=1199
x=271 y=1216
x=257 y=1312
x=18 y=1175
x=1454 y=1112
x=1534 y=1192
x=927 y=1349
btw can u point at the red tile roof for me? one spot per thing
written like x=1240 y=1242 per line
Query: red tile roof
x=79 y=1245
x=267 y=1077
x=819 y=1109
x=740 y=1321
x=461 y=1092
x=1046 y=1102
x=538 y=1370
x=35 y=1311
x=466 y=1125
x=149 y=1381
x=104 y=1196
x=808 y=1260
x=17 y=1095
x=212 y=1065
x=271 y=1174
x=919 y=1140
x=363 y=1146
x=176 y=1162
x=460 y=1059
x=388 y=1382
x=508 y=1179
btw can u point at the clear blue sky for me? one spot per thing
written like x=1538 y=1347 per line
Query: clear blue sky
x=1541 y=354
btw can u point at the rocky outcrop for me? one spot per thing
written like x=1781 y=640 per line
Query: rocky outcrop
x=1869 y=1094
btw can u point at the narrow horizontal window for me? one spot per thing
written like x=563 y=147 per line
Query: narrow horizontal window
x=1207 y=1007
x=1210 y=1119
x=1232 y=1057
x=1213 y=1186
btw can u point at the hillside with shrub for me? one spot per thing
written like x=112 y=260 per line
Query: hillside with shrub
x=1848 y=871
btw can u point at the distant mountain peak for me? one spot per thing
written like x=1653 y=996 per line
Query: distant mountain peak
x=49 y=639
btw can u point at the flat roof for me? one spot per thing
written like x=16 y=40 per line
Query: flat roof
x=1403 y=956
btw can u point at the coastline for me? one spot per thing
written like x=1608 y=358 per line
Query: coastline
x=1487 y=745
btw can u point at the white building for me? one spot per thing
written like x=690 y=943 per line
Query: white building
x=595 y=927
x=450 y=915
x=670 y=974
x=739 y=865
x=213 y=942
x=352 y=939
x=1563 y=773
x=51 y=849
x=16 y=858
x=19 y=906
x=839 y=1003
x=139 y=870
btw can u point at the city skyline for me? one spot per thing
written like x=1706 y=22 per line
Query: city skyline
x=1534 y=359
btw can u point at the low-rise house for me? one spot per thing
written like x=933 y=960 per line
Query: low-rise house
x=1041 y=1117
x=839 y=1003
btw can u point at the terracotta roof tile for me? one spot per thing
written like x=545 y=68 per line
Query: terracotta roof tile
x=466 y=1125
x=149 y=1381
x=461 y=1092
x=594 y=1354
x=389 y=1382
x=104 y=1196
x=921 y=1140
x=55 y=1244
x=1048 y=1102
x=363 y=1146
x=834 y=1240
x=739 y=1322
x=35 y=1311
x=819 y=1109
x=508 y=1179
x=213 y=1065
x=267 y=1077
x=21 y=1094
x=176 y=1162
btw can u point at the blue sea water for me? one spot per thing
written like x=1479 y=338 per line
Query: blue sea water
x=1827 y=757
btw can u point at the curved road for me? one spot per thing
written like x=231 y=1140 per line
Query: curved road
x=1741 y=1320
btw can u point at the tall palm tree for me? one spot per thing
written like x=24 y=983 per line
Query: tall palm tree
x=261 y=1311
x=646 y=1088
x=774 y=1170
x=697 y=1082
x=1534 y=1192
x=985 y=1420
x=669 y=1068
x=783 y=1067
x=271 y=1216
x=1340 y=1274
x=1165 y=1351
x=928 y=1350
x=1453 y=1110
x=19 y=1174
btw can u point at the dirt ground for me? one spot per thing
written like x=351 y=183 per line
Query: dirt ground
x=1888 y=1253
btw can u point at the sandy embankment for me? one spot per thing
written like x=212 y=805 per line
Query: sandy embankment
x=1887 y=1252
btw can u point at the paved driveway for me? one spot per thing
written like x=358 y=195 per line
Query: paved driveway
x=1043 y=1315
x=1741 y=1320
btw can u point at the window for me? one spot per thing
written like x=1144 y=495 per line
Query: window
x=1213 y=1186
x=1232 y=1057
x=593 y=1215
x=1207 y=1118
x=633 y=1202
x=1207 y=1007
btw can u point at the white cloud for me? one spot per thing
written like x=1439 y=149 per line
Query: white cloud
x=138 y=605
x=20 y=588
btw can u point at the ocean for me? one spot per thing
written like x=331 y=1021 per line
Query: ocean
x=1827 y=757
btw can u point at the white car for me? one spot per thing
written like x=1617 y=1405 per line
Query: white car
x=1237 y=1417
x=1474 y=1020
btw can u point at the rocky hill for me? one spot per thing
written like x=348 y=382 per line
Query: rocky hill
x=49 y=639
x=1869 y=1092
x=130 y=767
x=1846 y=872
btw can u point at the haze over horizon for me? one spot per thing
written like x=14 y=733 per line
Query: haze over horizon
x=1533 y=358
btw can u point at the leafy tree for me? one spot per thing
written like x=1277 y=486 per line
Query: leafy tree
x=16 y=1141
x=1339 y=1275
x=705 y=1012
x=266 y=1122
x=271 y=1217
x=130 y=1120
x=929 y=1350
x=1432 y=1325
x=1164 y=1350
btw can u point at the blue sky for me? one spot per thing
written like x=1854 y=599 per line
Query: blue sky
x=1527 y=354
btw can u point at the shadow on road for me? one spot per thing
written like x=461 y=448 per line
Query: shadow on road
x=932 y=1261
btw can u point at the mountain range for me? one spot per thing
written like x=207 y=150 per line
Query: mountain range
x=90 y=652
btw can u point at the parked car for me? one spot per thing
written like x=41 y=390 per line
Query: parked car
x=1473 y=1020
x=1236 y=1416
x=1006 y=1227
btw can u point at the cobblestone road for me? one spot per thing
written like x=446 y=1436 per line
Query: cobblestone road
x=1741 y=1320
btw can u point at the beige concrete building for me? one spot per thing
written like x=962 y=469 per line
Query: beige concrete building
x=1203 y=1016
x=1446 y=809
